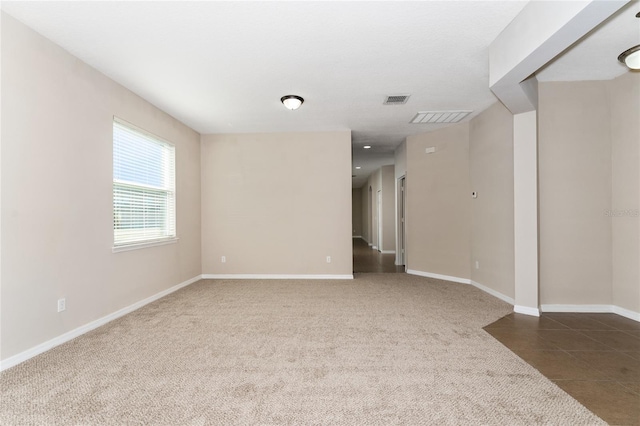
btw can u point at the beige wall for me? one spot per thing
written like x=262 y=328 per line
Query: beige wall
x=388 y=184
x=438 y=202
x=383 y=180
x=276 y=203
x=375 y=183
x=491 y=170
x=366 y=213
x=574 y=193
x=57 y=212
x=400 y=158
x=400 y=170
x=356 y=212
x=624 y=95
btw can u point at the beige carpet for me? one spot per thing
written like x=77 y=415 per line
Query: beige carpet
x=378 y=350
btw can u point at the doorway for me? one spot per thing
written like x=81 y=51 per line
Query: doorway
x=401 y=251
x=379 y=220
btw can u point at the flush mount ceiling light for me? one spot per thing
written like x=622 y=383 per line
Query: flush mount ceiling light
x=367 y=147
x=291 y=101
x=631 y=57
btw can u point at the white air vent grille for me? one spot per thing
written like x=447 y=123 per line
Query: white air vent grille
x=396 y=99
x=428 y=117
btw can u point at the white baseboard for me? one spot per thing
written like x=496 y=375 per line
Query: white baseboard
x=526 y=310
x=357 y=236
x=439 y=277
x=276 y=277
x=374 y=247
x=388 y=251
x=627 y=313
x=493 y=292
x=56 y=341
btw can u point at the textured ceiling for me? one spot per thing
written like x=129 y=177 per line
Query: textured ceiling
x=221 y=67
x=594 y=57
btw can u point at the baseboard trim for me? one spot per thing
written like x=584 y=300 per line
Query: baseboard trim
x=374 y=247
x=388 y=251
x=439 y=277
x=526 y=310
x=70 y=335
x=627 y=313
x=357 y=236
x=276 y=277
x=493 y=292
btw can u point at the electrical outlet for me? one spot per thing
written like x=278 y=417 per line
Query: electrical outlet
x=477 y=265
x=328 y=259
x=62 y=304
x=223 y=259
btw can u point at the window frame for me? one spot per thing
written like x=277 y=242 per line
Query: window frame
x=171 y=192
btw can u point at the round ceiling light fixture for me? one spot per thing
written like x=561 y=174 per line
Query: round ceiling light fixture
x=631 y=57
x=291 y=101
x=367 y=147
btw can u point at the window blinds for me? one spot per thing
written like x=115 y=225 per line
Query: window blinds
x=143 y=186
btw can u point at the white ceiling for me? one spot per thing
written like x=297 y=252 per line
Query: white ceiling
x=221 y=67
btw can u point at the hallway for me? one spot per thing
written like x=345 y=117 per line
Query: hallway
x=366 y=259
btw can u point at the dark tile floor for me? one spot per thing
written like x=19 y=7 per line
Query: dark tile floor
x=595 y=358
x=366 y=259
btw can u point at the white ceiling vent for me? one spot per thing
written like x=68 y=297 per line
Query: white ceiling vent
x=396 y=99
x=429 y=117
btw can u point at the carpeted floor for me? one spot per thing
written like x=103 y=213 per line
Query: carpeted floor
x=378 y=350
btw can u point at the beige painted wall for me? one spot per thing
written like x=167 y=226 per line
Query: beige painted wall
x=57 y=213
x=624 y=95
x=375 y=183
x=438 y=202
x=366 y=212
x=388 y=184
x=276 y=203
x=400 y=170
x=383 y=180
x=574 y=193
x=491 y=171
x=356 y=212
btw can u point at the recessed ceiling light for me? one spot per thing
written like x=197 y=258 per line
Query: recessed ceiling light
x=358 y=167
x=367 y=146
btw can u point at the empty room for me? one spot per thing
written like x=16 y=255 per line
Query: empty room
x=296 y=213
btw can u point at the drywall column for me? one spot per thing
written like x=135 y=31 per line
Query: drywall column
x=525 y=205
x=540 y=32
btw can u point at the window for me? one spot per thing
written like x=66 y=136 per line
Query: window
x=143 y=187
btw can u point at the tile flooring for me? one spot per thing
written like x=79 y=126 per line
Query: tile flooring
x=366 y=259
x=593 y=357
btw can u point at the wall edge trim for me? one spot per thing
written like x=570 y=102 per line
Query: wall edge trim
x=79 y=331
x=277 y=277
x=439 y=276
x=526 y=310
x=613 y=309
x=493 y=292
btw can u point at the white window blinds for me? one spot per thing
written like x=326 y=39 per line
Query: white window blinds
x=143 y=187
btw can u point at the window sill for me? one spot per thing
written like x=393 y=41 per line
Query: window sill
x=137 y=246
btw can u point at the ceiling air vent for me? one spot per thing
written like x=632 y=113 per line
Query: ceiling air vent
x=396 y=99
x=429 y=117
